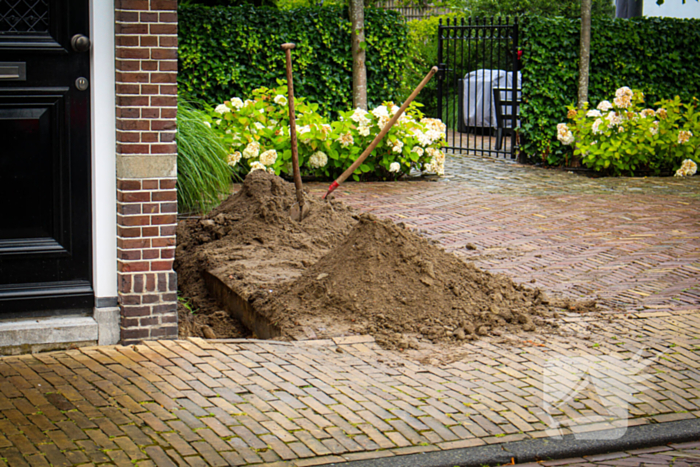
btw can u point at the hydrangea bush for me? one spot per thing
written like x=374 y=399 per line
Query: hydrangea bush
x=257 y=133
x=624 y=136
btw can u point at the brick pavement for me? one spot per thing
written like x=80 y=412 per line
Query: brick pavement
x=632 y=243
x=242 y=402
x=238 y=402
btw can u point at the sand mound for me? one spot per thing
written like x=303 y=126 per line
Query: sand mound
x=338 y=273
x=251 y=236
x=389 y=282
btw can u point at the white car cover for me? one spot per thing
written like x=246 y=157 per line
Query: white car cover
x=479 y=109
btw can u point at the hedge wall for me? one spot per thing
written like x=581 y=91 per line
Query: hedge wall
x=229 y=51
x=659 y=56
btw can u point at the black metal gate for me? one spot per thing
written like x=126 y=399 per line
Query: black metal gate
x=479 y=85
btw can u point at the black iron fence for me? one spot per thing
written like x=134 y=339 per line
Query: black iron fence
x=479 y=85
x=411 y=13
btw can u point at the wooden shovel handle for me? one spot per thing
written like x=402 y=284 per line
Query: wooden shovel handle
x=382 y=134
x=287 y=47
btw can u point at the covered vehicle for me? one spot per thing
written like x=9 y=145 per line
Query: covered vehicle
x=477 y=91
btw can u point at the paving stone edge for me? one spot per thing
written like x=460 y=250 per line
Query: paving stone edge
x=567 y=446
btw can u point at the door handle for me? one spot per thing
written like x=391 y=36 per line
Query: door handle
x=80 y=43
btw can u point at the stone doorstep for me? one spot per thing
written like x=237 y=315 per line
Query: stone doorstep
x=37 y=334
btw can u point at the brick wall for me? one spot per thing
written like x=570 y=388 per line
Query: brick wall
x=146 y=98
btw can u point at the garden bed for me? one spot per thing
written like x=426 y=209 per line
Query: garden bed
x=339 y=272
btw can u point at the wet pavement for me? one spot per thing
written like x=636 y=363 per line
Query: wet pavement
x=632 y=244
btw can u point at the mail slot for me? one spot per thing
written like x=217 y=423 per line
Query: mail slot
x=13 y=71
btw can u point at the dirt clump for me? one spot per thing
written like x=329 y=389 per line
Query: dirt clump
x=253 y=240
x=386 y=281
x=339 y=273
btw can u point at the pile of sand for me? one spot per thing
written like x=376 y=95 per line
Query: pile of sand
x=251 y=236
x=337 y=273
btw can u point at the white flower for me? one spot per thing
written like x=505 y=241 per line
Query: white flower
x=662 y=114
x=218 y=122
x=257 y=166
x=613 y=119
x=360 y=116
x=222 y=109
x=398 y=146
x=435 y=135
x=234 y=158
x=687 y=168
x=248 y=102
x=434 y=124
x=593 y=113
x=648 y=113
x=207 y=124
x=237 y=103
x=383 y=120
x=622 y=102
x=380 y=112
x=318 y=160
x=423 y=139
x=684 y=136
x=280 y=99
x=654 y=128
x=271 y=171
x=564 y=134
x=346 y=139
x=252 y=150
x=259 y=125
x=363 y=130
x=303 y=129
x=325 y=130
x=624 y=91
x=437 y=163
x=268 y=157
x=394 y=109
x=394 y=167
x=418 y=150
x=604 y=106
x=596 y=126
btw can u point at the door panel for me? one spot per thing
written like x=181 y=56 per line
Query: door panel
x=45 y=228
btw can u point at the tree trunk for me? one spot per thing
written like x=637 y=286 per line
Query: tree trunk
x=585 y=54
x=359 y=70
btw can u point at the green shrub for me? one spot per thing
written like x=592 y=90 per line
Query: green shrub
x=658 y=55
x=423 y=46
x=202 y=173
x=625 y=136
x=256 y=131
x=229 y=51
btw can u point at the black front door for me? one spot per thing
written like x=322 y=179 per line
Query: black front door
x=45 y=221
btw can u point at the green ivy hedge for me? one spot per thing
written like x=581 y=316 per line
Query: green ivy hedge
x=659 y=56
x=226 y=52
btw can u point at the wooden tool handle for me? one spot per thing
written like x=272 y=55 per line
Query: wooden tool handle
x=382 y=134
x=292 y=124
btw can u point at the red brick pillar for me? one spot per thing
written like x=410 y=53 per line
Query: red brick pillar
x=146 y=101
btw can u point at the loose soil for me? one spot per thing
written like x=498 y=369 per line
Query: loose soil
x=341 y=273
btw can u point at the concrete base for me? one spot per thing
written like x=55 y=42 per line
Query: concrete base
x=37 y=334
x=108 y=331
